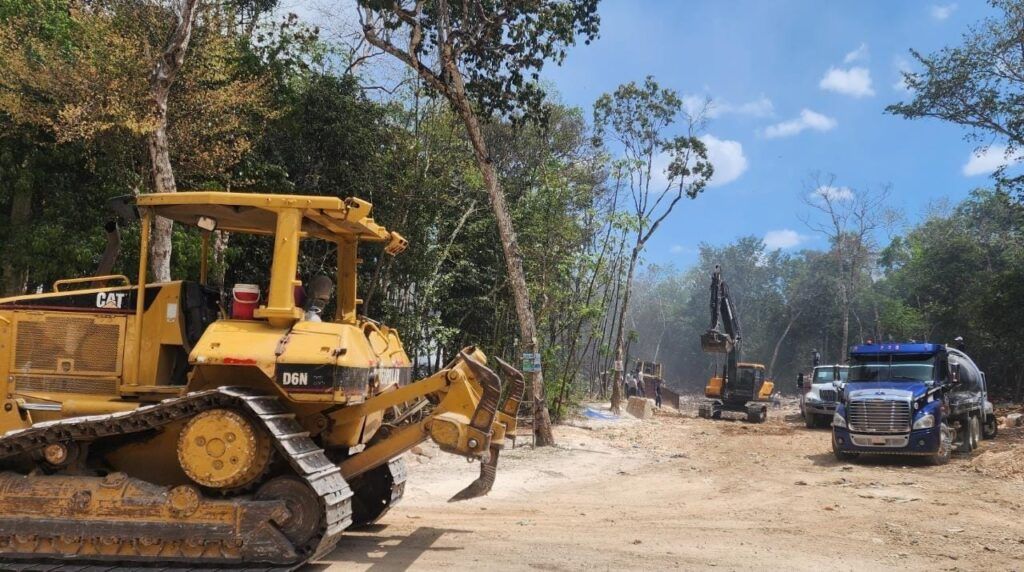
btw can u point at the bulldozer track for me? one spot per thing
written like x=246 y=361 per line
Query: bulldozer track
x=306 y=459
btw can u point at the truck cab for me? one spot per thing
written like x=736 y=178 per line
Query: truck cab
x=818 y=400
x=920 y=399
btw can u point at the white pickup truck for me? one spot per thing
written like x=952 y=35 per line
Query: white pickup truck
x=818 y=398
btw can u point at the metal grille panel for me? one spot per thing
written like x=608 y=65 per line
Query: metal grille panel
x=879 y=415
x=69 y=345
x=65 y=385
x=828 y=395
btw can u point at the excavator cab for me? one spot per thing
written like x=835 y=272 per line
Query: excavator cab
x=235 y=440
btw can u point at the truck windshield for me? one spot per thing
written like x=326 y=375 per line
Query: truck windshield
x=826 y=374
x=893 y=368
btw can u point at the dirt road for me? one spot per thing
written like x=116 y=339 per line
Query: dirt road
x=686 y=493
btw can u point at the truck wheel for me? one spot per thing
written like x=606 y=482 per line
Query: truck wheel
x=704 y=411
x=975 y=433
x=941 y=457
x=990 y=428
x=842 y=455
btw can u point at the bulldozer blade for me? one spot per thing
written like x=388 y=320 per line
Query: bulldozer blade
x=483 y=417
x=482 y=485
x=514 y=397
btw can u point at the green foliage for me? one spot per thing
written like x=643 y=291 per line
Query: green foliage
x=978 y=84
x=500 y=46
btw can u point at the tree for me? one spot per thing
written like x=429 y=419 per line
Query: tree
x=484 y=57
x=851 y=219
x=77 y=79
x=978 y=85
x=165 y=71
x=635 y=120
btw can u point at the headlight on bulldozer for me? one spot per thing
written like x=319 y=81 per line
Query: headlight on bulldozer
x=926 y=421
x=838 y=420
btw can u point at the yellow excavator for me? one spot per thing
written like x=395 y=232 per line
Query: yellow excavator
x=145 y=425
x=742 y=387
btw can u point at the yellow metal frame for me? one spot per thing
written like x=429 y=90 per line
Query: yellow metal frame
x=90 y=279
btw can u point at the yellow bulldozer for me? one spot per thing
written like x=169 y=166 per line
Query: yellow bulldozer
x=145 y=425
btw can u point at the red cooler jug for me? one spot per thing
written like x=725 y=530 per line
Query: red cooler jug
x=246 y=298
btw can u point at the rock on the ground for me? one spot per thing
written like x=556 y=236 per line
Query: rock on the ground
x=1011 y=420
x=640 y=407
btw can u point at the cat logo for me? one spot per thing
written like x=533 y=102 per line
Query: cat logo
x=295 y=379
x=110 y=299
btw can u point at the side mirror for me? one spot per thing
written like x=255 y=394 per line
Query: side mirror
x=954 y=374
x=800 y=382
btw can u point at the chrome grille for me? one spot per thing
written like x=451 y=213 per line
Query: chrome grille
x=879 y=415
x=828 y=395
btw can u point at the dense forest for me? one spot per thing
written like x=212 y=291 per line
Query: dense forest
x=264 y=102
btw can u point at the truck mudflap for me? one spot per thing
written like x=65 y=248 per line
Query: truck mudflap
x=81 y=520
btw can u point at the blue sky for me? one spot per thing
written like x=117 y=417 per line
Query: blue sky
x=801 y=87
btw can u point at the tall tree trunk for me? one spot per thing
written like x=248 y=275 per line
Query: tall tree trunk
x=15 y=278
x=160 y=81
x=778 y=344
x=620 y=350
x=219 y=267
x=513 y=261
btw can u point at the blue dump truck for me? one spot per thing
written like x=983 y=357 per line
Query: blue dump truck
x=911 y=399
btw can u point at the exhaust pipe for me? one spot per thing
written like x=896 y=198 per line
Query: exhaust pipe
x=110 y=253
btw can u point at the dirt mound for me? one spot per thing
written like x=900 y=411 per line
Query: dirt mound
x=1002 y=457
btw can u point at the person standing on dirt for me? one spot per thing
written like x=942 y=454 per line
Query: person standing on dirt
x=630 y=385
x=641 y=387
x=657 y=393
x=815 y=357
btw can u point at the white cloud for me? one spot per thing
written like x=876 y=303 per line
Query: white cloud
x=677 y=249
x=695 y=104
x=833 y=193
x=808 y=120
x=902 y=67
x=855 y=82
x=860 y=54
x=986 y=160
x=783 y=238
x=941 y=12
x=727 y=157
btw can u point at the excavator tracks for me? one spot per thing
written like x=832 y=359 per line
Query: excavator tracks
x=171 y=528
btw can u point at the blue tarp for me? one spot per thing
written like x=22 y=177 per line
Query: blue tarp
x=597 y=414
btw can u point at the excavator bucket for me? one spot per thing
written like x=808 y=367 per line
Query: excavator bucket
x=713 y=341
x=507 y=416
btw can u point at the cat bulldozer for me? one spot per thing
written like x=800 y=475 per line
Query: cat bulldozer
x=144 y=426
x=741 y=387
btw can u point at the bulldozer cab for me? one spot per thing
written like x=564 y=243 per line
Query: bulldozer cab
x=289 y=219
x=104 y=336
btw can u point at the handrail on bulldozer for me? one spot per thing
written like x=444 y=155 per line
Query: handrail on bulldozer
x=105 y=278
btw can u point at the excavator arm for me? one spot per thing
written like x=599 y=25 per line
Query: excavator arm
x=715 y=340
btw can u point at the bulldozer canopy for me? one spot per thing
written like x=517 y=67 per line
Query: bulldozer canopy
x=328 y=218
